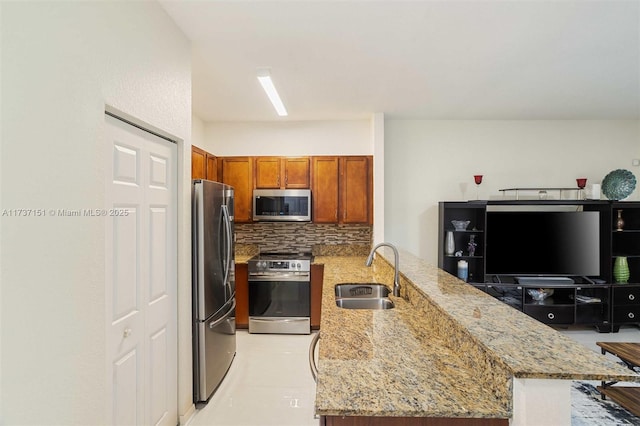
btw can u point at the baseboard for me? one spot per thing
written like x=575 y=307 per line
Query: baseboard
x=188 y=416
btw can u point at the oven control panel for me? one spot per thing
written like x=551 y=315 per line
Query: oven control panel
x=265 y=265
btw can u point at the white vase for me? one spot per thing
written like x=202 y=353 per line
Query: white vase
x=450 y=246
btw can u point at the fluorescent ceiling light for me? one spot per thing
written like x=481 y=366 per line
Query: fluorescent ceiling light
x=267 y=84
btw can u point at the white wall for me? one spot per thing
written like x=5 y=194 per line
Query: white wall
x=62 y=62
x=377 y=132
x=197 y=132
x=429 y=161
x=289 y=138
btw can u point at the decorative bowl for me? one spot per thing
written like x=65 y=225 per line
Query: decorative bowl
x=539 y=294
x=460 y=225
x=618 y=184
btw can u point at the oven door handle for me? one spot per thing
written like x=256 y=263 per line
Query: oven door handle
x=298 y=277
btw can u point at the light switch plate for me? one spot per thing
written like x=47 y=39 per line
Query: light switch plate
x=635 y=162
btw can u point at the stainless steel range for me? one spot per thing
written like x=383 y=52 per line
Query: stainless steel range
x=280 y=293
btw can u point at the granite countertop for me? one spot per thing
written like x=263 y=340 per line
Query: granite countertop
x=445 y=350
x=242 y=258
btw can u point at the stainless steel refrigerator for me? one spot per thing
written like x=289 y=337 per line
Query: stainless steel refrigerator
x=214 y=290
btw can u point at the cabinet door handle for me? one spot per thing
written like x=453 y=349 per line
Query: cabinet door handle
x=550 y=315
x=632 y=297
x=631 y=315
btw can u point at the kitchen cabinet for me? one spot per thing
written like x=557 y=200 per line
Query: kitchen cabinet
x=203 y=164
x=324 y=189
x=198 y=163
x=317 y=277
x=342 y=189
x=212 y=167
x=282 y=172
x=238 y=172
x=242 y=295
x=356 y=189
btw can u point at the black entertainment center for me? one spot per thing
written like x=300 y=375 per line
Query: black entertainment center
x=551 y=259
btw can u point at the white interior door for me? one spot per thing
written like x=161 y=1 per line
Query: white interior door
x=141 y=277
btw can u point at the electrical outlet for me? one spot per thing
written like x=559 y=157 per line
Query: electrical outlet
x=635 y=162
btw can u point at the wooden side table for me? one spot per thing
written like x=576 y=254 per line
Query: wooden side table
x=627 y=396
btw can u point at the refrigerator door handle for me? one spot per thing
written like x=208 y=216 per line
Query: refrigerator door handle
x=214 y=324
x=227 y=228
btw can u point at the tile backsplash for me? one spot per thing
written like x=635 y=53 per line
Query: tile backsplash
x=300 y=237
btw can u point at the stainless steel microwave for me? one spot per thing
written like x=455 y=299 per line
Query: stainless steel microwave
x=282 y=205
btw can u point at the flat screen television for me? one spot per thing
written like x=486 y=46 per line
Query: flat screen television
x=543 y=243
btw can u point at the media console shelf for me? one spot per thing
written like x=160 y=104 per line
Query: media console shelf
x=577 y=303
x=544 y=192
x=596 y=300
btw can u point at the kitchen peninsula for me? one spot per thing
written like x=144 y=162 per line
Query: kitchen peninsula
x=447 y=352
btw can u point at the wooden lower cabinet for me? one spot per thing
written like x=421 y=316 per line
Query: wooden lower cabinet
x=242 y=295
x=317 y=277
x=408 y=421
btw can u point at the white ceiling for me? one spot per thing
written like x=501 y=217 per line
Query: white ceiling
x=485 y=59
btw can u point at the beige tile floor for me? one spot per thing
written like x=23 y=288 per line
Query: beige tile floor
x=270 y=383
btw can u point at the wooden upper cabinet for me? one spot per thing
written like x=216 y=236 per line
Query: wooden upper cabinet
x=324 y=189
x=296 y=172
x=238 y=172
x=198 y=163
x=267 y=172
x=203 y=164
x=342 y=189
x=212 y=167
x=356 y=189
x=282 y=173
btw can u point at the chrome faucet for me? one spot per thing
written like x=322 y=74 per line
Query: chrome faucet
x=396 y=281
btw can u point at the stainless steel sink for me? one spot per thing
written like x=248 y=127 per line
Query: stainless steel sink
x=363 y=296
x=361 y=290
x=371 y=303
